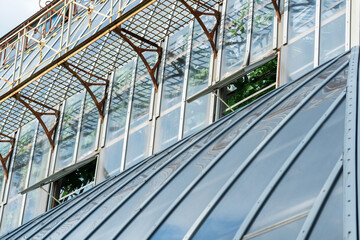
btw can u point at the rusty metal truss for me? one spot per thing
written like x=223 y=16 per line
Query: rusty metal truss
x=140 y=50
x=123 y=33
x=26 y=102
x=4 y=159
x=209 y=12
x=87 y=85
x=277 y=10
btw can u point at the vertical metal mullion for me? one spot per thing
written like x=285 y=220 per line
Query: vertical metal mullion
x=249 y=33
x=111 y=9
x=9 y=165
x=347 y=25
x=317 y=33
x=78 y=133
x=128 y=117
x=163 y=64
x=23 y=47
x=53 y=157
x=158 y=97
x=28 y=173
x=152 y=120
x=68 y=35
x=276 y=29
x=57 y=138
x=63 y=27
x=215 y=64
x=1 y=212
x=220 y=45
x=186 y=80
x=285 y=22
x=17 y=136
x=355 y=23
x=161 y=78
x=16 y=56
x=107 y=109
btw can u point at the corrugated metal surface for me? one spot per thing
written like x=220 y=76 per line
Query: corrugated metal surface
x=272 y=170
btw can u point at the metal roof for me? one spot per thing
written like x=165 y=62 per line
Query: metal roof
x=271 y=170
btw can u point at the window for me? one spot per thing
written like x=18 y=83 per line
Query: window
x=74 y=183
x=250 y=86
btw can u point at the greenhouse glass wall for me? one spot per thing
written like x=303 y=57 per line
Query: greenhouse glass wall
x=127 y=97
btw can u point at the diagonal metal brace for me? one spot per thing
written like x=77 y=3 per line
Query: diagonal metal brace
x=197 y=14
x=276 y=7
x=87 y=85
x=49 y=133
x=4 y=160
x=139 y=50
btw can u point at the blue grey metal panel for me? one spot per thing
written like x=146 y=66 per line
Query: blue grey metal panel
x=320 y=201
x=186 y=177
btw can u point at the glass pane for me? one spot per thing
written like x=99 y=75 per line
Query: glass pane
x=304 y=62
x=42 y=153
x=69 y=130
x=18 y=178
x=297 y=191
x=167 y=126
x=5 y=148
x=301 y=38
x=36 y=200
x=301 y=17
x=228 y=215
x=167 y=129
x=197 y=115
x=262 y=33
x=22 y=158
x=11 y=214
x=329 y=224
x=332 y=32
x=197 y=112
x=139 y=123
x=235 y=36
x=36 y=203
x=117 y=119
x=200 y=59
x=89 y=125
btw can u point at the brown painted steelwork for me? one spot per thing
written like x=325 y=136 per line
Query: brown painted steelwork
x=141 y=50
x=113 y=50
x=197 y=14
x=4 y=160
x=38 y=115
x=277 y=10
x=87 y=85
